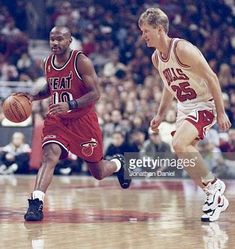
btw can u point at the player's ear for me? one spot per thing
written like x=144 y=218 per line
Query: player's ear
x=160 y=28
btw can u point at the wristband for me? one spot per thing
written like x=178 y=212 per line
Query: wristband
x=73 y=104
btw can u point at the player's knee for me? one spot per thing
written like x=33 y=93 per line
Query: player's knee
x=178 y=146
x=51 y=154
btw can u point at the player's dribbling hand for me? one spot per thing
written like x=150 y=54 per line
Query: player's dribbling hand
x=58 y=108
x=223 y=122
x=154 y=124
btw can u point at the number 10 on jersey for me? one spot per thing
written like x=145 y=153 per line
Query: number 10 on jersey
x=62 y=97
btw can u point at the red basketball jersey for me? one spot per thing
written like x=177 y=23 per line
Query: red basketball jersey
x=66 y=84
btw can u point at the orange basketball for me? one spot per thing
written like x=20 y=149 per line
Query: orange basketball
x=17 y=108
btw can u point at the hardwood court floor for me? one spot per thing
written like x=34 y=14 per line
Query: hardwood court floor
x=81 y=212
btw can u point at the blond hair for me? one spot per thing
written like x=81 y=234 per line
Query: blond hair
x=154 y=17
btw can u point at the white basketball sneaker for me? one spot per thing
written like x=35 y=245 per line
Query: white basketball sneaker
x=214 y=191
x=214 y=214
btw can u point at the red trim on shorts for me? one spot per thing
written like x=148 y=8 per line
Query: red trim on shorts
x=173 y=133
x=202 y=121
x=64 y=150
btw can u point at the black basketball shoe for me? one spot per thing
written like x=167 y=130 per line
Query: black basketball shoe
x=34 y=212
x=123 y=173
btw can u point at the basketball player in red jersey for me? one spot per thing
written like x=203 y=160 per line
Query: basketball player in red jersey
x=187 y=77
x=71 y=124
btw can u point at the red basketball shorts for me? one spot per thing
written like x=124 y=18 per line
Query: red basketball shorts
x=81 y=136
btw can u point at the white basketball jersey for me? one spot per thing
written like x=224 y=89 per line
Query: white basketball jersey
x=188 y=88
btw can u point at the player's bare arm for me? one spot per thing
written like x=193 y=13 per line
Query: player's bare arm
x=166 y=98
x=155 y=59
x=38 y=94
x=191 y=56
x=42 y=93
x=166 y=101
x=90 y=79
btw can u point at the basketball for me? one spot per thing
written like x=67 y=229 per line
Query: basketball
x=17 y=108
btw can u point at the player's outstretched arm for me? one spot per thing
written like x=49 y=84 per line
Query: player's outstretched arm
x=191 y=56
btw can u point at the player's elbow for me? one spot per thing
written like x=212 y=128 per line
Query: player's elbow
x=212 y=78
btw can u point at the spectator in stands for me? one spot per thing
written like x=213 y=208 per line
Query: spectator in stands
x=114 y=124
x=10 y=29
x=154 y=145
x=9 y=73
x=117 y=146
x=15 y=156
x=225 y=76
x=111 y=68
x=69 y=166
x=136 y=140
x=24 y=64
x=228 y=148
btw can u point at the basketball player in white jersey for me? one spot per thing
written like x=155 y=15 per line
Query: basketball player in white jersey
x=187 y=77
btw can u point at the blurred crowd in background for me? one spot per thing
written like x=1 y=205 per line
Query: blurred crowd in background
x=108 y=33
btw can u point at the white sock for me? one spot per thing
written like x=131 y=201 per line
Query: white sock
x=118 y=163
x=37 y=194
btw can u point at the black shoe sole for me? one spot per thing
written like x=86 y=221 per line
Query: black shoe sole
x=32 y=218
